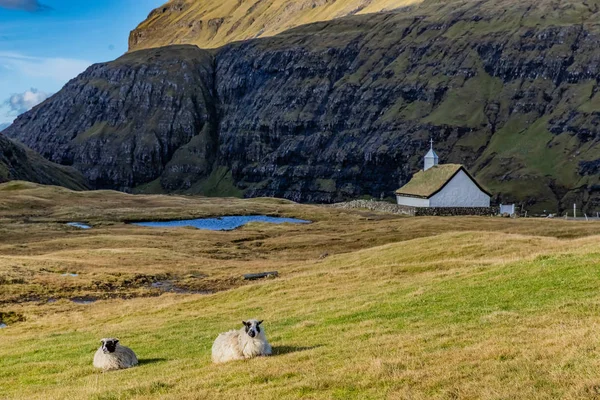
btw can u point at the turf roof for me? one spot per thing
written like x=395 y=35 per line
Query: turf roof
x=427 y=183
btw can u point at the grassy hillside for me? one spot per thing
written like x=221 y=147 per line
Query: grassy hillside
x=17 y=162
x=409 y=308
x=214 y=23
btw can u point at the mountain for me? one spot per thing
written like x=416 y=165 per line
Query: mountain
x=214 y=23
x=3 y=126
x=345 y=108
x=20 y=163
x=129 y=121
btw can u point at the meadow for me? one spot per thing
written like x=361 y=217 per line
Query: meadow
x=367 y=305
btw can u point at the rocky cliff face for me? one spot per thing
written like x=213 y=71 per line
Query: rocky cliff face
x=144 y=116
x=20 y=163
x=214 y=23
x=341 y=109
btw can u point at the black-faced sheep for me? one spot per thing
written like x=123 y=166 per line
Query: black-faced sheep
x=248 y=342
x=111 y=356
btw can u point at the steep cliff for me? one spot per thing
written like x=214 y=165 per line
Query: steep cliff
x=20 y=163
x=147 y=115
x=345 y=108
x=214 y=23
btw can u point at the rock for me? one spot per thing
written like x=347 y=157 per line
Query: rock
x=252 y=277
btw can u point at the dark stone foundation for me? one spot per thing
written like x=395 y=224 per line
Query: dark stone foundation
x=417 y=211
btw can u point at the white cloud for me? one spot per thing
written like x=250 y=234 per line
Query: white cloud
x=23 y=102
x=19 y=103
x=19 y=71
x=58 y=69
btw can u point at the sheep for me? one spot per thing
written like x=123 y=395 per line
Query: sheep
x=112 y=356
x=248 y=342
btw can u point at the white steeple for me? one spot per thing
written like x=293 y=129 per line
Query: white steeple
x=431 y=158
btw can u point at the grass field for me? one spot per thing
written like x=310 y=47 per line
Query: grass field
x=400 y=308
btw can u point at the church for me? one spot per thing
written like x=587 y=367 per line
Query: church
x=442 y=185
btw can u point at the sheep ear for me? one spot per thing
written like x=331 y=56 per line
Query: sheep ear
x=245 y=323
x=116 y=341
x=260 y=322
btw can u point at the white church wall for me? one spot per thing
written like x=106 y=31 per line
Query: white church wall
x=461 y=191
x=412 y=201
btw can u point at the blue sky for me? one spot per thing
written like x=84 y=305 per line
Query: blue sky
x=44 y=43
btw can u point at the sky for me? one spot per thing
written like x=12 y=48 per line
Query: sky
x=45 y=43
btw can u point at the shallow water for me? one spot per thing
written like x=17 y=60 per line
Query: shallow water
x=223 y=223
x=79 y=225
x=84 y=300
x=2 y=326
x=169 y=286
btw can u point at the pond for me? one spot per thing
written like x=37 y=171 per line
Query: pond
x=79 y=225
x=222 y=223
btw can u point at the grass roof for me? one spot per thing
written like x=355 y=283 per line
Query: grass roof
x=427 y=183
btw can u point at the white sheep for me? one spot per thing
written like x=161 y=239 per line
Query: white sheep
x=248 y=342
x=111 y=356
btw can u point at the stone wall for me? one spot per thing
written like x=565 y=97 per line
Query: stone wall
x=456 y=211
x=380 y=206
x=416 y=211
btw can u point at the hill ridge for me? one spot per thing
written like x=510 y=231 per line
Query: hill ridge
x=214 y=23
x=20 y=163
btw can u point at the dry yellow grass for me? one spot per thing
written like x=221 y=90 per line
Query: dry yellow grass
x=403 y=308
x=214 y=23
x=119 y=260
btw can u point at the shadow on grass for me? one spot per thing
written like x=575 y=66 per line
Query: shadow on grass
x=281 y=350
x=145 y=361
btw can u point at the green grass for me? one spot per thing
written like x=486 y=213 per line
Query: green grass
x=219 y=183
x=464 y=106
x=408 y=308
x=153 y=187
x=372 y=324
